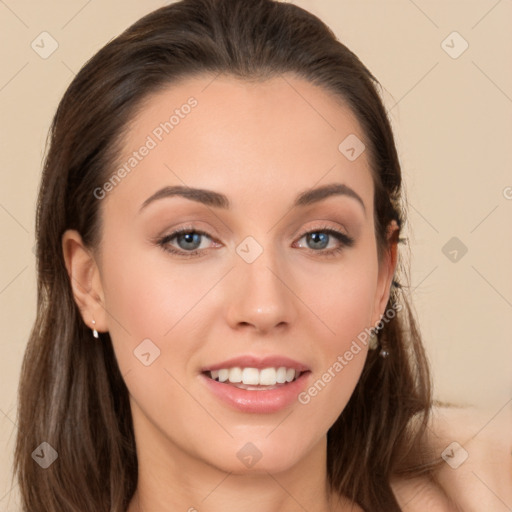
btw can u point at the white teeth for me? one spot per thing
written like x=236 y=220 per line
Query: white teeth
x=280 y=375
x=268 y=377
x=251 y=376
x=235 y=374
x=254 y=376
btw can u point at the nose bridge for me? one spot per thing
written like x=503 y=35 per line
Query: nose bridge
x=261 y=297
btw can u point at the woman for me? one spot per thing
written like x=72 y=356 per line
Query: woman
x=220 y=322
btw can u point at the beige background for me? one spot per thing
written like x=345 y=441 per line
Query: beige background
x=453 y=123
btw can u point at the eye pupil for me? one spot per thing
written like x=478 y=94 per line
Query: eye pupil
x=321 y=238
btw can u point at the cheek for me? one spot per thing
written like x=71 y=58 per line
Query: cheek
x=342 y=296
x=343 y=300
x=144 y=301
x=149 y=314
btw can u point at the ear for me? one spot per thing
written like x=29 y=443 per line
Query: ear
x=85 y=280
x=386 y=272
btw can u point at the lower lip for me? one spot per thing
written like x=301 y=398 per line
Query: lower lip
x=258 y=401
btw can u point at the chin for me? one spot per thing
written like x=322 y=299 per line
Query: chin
x=263 y=466
x=260 y=455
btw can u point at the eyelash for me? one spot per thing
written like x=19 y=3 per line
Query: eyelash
x=345 y=241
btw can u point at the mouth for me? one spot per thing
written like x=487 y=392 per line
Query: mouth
x=251 y=384
x=255 y=379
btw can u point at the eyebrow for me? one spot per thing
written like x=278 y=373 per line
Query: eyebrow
x=218 y=200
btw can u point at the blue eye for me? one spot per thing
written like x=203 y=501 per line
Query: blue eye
x=319 y=239
x=188 y=241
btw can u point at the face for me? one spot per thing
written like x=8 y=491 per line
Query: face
x=266 y=280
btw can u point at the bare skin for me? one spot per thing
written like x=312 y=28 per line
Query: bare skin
x=479 y=477
x=261 y=145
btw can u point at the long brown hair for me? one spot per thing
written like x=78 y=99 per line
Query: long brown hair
x=71 y=393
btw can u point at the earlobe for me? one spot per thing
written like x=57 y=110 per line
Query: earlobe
x=85 y=280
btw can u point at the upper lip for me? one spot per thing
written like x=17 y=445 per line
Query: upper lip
x=249 y=361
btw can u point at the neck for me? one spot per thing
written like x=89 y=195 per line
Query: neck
x=171 y=479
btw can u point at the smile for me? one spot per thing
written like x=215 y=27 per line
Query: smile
x=255 y=379
x=259 y=399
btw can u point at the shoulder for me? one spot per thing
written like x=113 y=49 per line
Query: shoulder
x=475 y=450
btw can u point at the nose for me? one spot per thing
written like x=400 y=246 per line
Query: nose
x=262 y=298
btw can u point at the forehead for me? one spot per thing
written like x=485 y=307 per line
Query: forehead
x=270 y=137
